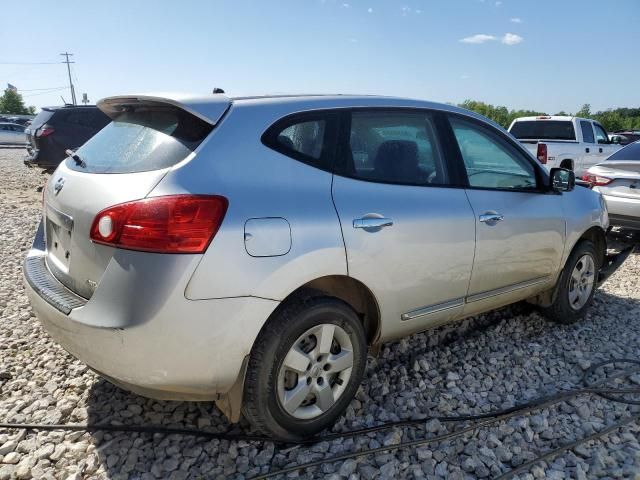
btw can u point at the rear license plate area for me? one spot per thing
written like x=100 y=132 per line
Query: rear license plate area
x=59 y=230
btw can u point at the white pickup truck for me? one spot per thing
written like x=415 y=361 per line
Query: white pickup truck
x=568 y=142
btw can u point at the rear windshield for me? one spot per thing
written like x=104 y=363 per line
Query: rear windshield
x=42 y=118
x=630 y=152
x=140 y=140
x=544 y=129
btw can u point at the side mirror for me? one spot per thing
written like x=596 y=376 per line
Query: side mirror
x=562 y=180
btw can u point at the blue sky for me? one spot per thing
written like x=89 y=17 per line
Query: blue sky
x=548 y=55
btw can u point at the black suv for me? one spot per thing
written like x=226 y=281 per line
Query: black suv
x=57 y=129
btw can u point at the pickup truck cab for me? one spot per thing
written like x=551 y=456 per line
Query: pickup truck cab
x=568 y=142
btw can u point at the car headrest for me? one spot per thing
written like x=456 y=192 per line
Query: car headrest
x=397 y=160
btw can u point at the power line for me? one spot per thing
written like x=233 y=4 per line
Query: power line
x=73 y=92
x=30 y=63
x=39 y=89
x=44 y=93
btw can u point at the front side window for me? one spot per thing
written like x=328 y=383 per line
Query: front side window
x=587 y=131
x=601 y=135
x=395 y=147
x=491 y=162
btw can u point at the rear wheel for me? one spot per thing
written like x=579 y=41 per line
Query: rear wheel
x=576 y=286
x=304 y=368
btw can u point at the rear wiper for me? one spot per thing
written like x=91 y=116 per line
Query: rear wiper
x=76 y=158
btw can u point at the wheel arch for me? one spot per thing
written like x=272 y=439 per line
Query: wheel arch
x=351 y=291
x=567 y=163
x=598 y=237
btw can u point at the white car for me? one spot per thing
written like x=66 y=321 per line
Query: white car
x=618 y=180
x=12 y=133
x=567 y=142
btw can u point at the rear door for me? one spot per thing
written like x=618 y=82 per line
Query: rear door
x=589 y=150
x=409 y=235
x=519 y=228
x=123 y=162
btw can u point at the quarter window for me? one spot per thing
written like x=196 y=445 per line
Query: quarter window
x=491 y=162
x=306 y=138
x=395 y=147
x=587 y=131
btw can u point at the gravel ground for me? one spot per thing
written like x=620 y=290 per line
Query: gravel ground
x=488 y=362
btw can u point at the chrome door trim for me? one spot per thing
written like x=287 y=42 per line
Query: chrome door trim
x=509 y=288
x=439 y=307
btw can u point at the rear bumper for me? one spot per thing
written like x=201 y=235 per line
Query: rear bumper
x=181 y=350
x=623 y=212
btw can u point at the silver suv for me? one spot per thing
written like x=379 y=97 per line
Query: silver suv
x=251 y=250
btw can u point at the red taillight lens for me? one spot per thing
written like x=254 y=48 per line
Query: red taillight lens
x=45 y=131
x=596 y=180
x=542 y=153
x=171 y=224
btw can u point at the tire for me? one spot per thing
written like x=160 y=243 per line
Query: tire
x=571 y=302
x=270 y=382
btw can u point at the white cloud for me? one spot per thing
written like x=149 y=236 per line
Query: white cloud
x=511 y=39
x=515 y=20
x=418 y=11
x=479 y=38
x=464 y=77
x=346 y=5
x=498 y=3
x=370 y=10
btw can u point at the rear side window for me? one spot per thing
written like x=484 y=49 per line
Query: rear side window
x=630 y=152
x=395 y=147
x=141 y=139
x=543 y=129
x=307 y=137
x=587 y=131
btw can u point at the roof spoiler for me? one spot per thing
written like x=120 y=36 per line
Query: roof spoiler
x=209 y=108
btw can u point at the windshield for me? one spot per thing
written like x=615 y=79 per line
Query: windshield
x=630 y=152
x=544 y=129
x=141 y=140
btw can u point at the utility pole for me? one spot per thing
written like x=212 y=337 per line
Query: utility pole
x=73 y=92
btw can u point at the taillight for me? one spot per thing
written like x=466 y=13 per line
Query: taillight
x=542 y=153
x=45 y=131
x=171 y=224
x=596 y=180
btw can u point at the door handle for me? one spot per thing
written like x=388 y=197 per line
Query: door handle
x=491 y=218
x=372 y=222
x=586 y=150
x=600 y=149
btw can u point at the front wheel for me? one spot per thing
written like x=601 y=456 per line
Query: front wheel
x=576 y=285
x=304 y=368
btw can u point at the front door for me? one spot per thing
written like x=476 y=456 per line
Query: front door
x=409 y=236
x=519 y=226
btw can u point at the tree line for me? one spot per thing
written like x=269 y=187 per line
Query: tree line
x=11 y=102
x=612 y=120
